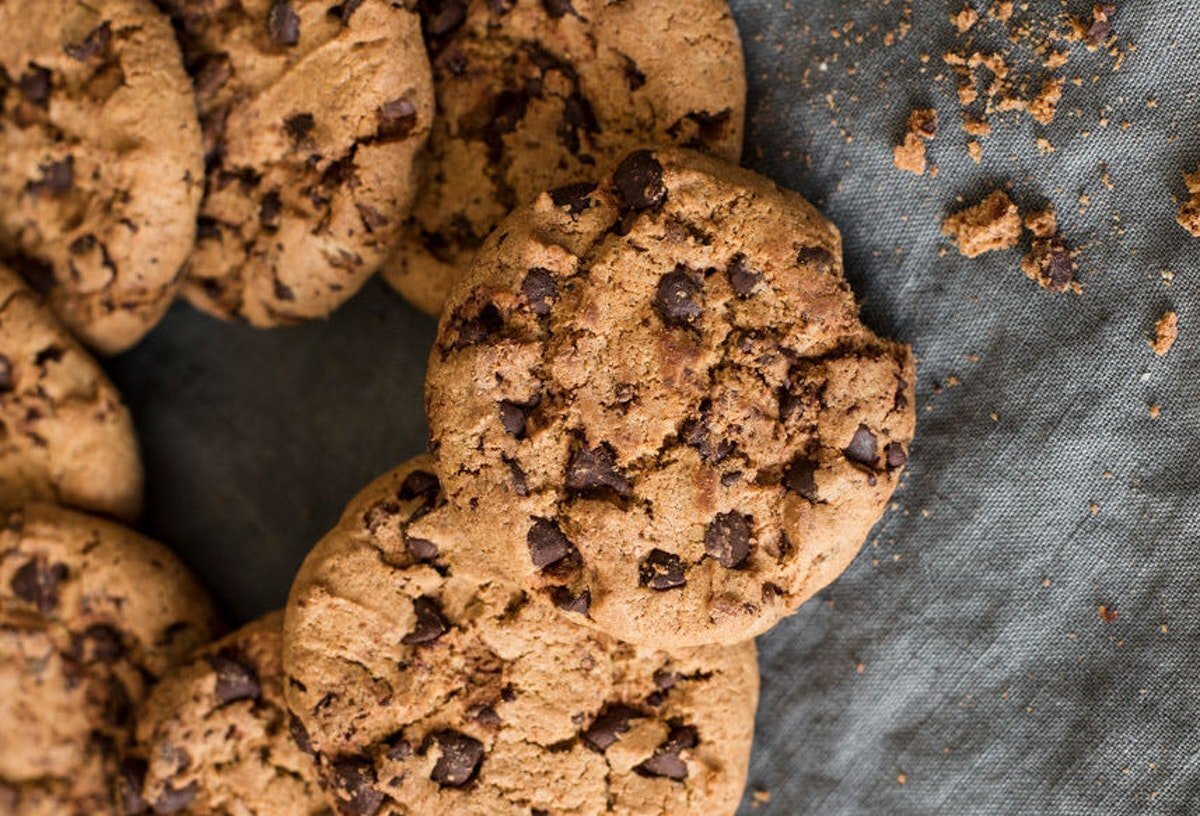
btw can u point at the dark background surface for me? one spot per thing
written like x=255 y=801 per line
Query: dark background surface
x=960 y=666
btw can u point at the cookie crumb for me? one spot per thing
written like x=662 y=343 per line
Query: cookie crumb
x=902 y=778
x=759 y=798
x=1042 y=223
x=1189 y=213
x=1166 y=332
x=1044 y=106
x=965 y=19
x=1049 y=263
x=910 y=155
x=1107 y=614
x=1154 y=410
x=975 y=151
x=993 y=223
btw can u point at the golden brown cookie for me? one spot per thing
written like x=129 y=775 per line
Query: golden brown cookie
x=100 y=161
x=312 y=114
x=91 y=615
x=421 y=690
x=65 y=435
x=660 y=398
x=214 y=736
x=537 y=95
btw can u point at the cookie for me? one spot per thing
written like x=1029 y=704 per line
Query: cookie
x=214 y=735
x=101 y=169
x=421 y=690
x=65 y=435
x=312 y=113
x=661 y=396
x=91 y=614
x=535 y=96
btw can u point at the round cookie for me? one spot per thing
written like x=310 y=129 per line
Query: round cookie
x=537 y=95
x=312 y=113
x=214 y=735
x=65 y=434
x=100 y=161
x=91 y=614
x=663 y=397
x=421 y=690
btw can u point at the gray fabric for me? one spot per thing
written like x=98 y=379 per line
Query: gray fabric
x=991 y=691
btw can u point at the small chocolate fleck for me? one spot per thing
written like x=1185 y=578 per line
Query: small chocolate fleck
x=58 y=177
x=742 y=278
x=235 y=679
x=269 y=210
x=283 y=24
x=609 y=725
x=430 y=625
x=661 y=570
x=460 y=758
x=575 y=197
x=34 y=85
x=679 y=298
x=818 y=257
x=594 y=472
x=345 y=10
x=895 y=455
x=633 y=74
x=540 y=290
x=639 y=181
x=283 y=292
x=665 y=761
x=863 y=447
x=485 y=715
x=800 y=478
x=299 y=125
x=727 y=539
x=398 y=746
x=93 y=43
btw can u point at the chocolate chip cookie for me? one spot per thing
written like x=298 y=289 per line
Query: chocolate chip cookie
x=65 y=435
x=100 y=161
x=421 y=690
x=214 y=736
x=91 y=614
x=538 y=95
x=659 y=396
x=312 y=112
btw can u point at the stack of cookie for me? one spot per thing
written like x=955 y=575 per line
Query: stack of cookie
x=657 y=423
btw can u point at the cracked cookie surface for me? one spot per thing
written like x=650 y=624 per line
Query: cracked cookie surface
x=421 y=690
x=312 y=113
x=658 y=397
x=214 y=736
x=91 y=614
x=65 y=434
x=533 y=95
x=100 y=161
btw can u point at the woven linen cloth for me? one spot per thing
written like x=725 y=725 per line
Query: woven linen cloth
x=1021 y=634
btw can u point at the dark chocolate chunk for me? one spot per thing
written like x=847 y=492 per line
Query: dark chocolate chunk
x=477 y=329
x=6 y=374
x=633 y=75
x=430 y=625
x=661 y=570
x=727 y=539
x=398 y=746
x=485 y=715
x=512 y=417
x=665 y=761
x=548 y=544
x=396 y=119
x=102 y=643
x=592 y=472
x=609 y=725
x=679 y=299
x=299 y=126
x=820 y=257
x=421 y=549
x=93 y=43
x=894 y=454
x=300 y=735
x=639 y=181
x=173 y=800
x=354 y=787
x=800 y=478
x=420 y=484
x=575 y=197
x=540 y=290
x=34 y=85
x=283 y=24
x=345 y=10
x=444 y=16
x=863 y=447
x=37 y=581
x=235 y=679
x=58 y=177
x=269 y=210
x=558 y=8
x=706 y=128
x=460 y=758
x=283 y=291
x=567 y=601
x=742 y=278
x=520 y=483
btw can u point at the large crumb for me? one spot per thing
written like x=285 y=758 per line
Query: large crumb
x=910 y=155
x=1166 y=332
x=1049 y=263
x=1042 y=223
x=993 y=223
x=1189 y=213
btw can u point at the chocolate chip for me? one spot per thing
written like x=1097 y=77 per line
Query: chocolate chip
x=477 y=329
x=863 y=447
x=577 y=116
x=661 y=570
x=540 y=290
x=575 y=197
x=130 y=779
x=92 y=44
x=420 y=484
x=37 y=273
x=269 y=211
x=34 y=85
x=512 y=417
x=397 y=119
x=665 y=761
x=459 y=761
x=354 y=787
x=485 y=715
x=679 y=299
x=36 y=582
x=610 y=723
x=344 y=11
x=592 y=472
x=548 y=545
x=283 y=291
x=299 y=126
x=300 y=735
x=520 y=484
x=508 y=111
x=118 y=707
x=58 y=177
x=101 y=642
x=895 y=455
x=173 y=800
x=742 y=278
x=558 y=8
x=430 y=625
x=800 y=478
x=633 y=75
x=819 y=257
x=235 y=679
x=565 y=600
x=665 y=680
x=639 y=181
x=727 y=539
x=421 y=549
x=704 y=128
x=6 y=374
x=398 y=746
x=444 y=16
x=282 y=23
x=50 y=354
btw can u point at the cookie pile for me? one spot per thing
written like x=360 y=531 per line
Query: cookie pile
x=658 y=425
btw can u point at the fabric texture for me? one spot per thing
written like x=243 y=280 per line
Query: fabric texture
x=998 y=647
